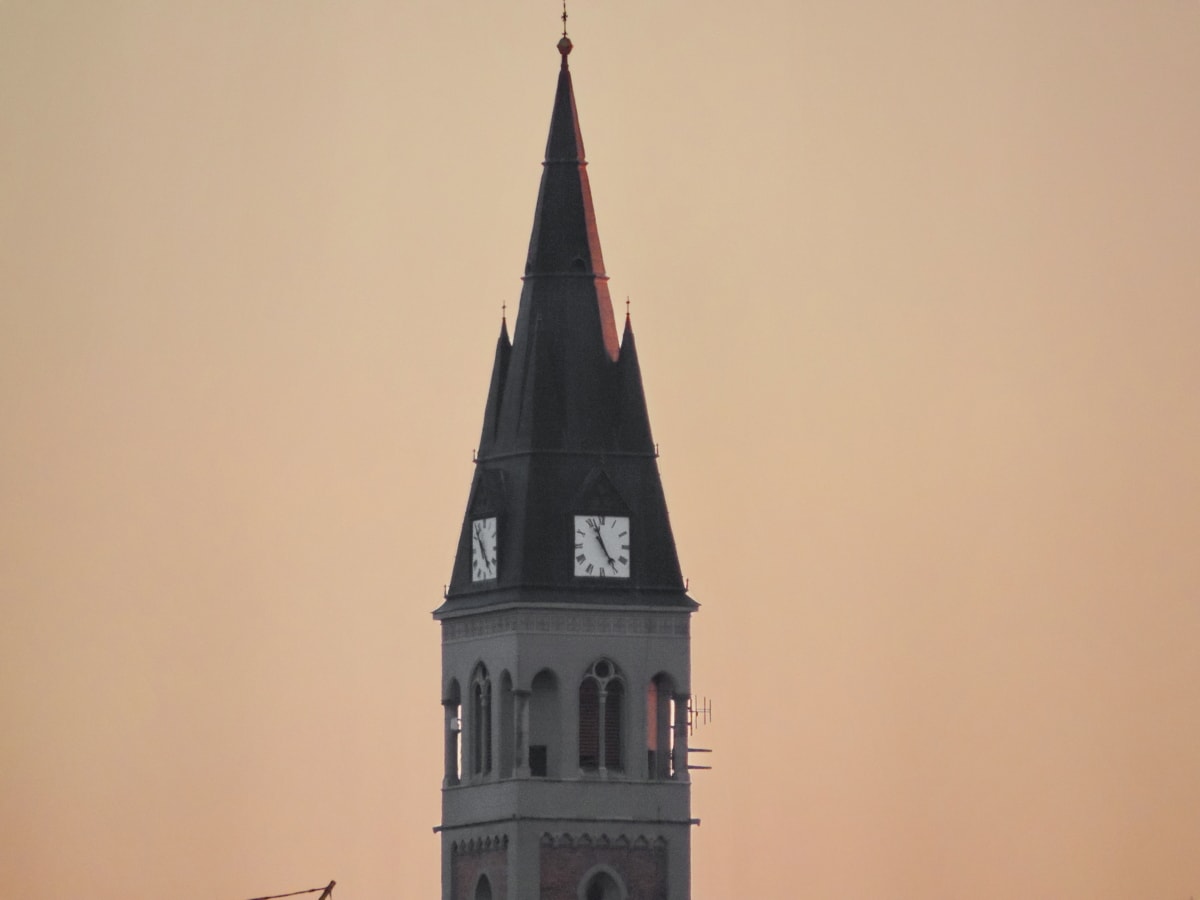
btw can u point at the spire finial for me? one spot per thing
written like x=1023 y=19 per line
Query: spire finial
x=626 y=307
x=564 y=45
x=503 y=312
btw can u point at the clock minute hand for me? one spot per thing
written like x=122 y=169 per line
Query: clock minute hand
x=600 y=540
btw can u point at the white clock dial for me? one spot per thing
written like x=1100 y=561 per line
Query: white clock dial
x=483 y=549
x=602 y=546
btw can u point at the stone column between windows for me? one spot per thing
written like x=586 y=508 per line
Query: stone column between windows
x=601 y=755
x=520 y=727
x=485 y=749
x=451 y=741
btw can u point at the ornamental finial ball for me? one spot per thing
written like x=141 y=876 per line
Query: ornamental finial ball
x=564 y=46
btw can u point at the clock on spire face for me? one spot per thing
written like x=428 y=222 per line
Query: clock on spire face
x=483 y=549
x=602 y=546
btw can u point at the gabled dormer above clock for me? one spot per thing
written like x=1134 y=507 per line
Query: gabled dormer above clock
x=598 y=494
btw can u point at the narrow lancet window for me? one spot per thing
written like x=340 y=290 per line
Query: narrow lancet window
x=660 y=717
x=544 y=718
x=481 y=721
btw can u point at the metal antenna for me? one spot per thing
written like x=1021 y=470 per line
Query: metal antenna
x=699 y=712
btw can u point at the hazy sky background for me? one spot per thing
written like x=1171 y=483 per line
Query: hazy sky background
x=916 y=287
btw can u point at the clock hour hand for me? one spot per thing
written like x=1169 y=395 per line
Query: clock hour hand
x=482 y=551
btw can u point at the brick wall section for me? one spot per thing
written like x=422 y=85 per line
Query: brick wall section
x=641 y=864
x=470 y=861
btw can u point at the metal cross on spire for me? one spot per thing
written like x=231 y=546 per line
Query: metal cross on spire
x=564 y=18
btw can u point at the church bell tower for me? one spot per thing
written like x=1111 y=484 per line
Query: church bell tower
x=565 y=626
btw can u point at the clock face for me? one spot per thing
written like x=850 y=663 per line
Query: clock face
x=483 y=549
x=602 y=546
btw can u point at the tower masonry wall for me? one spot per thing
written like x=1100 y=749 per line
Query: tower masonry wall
x=475 y=858
x=565 y=861
x=612 y=799
x=563 y=825
x=517 y=647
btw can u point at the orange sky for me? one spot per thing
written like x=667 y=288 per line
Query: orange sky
x=916 y=293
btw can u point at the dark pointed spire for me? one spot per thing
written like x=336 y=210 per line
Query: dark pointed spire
x=565 y=240
x=565 y=428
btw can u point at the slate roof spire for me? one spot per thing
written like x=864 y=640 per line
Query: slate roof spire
x=554 y=393
x=565 y=427
x=565 y=239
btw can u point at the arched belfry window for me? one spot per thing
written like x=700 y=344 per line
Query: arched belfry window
x=483 y=889
x=602 y=885
x=601 y=718
x=481 y=721
x=544 y=725
x=660 y=731
x=507 y=724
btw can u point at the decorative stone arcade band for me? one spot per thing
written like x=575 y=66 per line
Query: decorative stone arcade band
x=560 y=622
x=602 y=883
x=507 y=733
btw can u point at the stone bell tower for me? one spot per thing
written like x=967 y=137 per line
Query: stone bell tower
x=565 y=626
